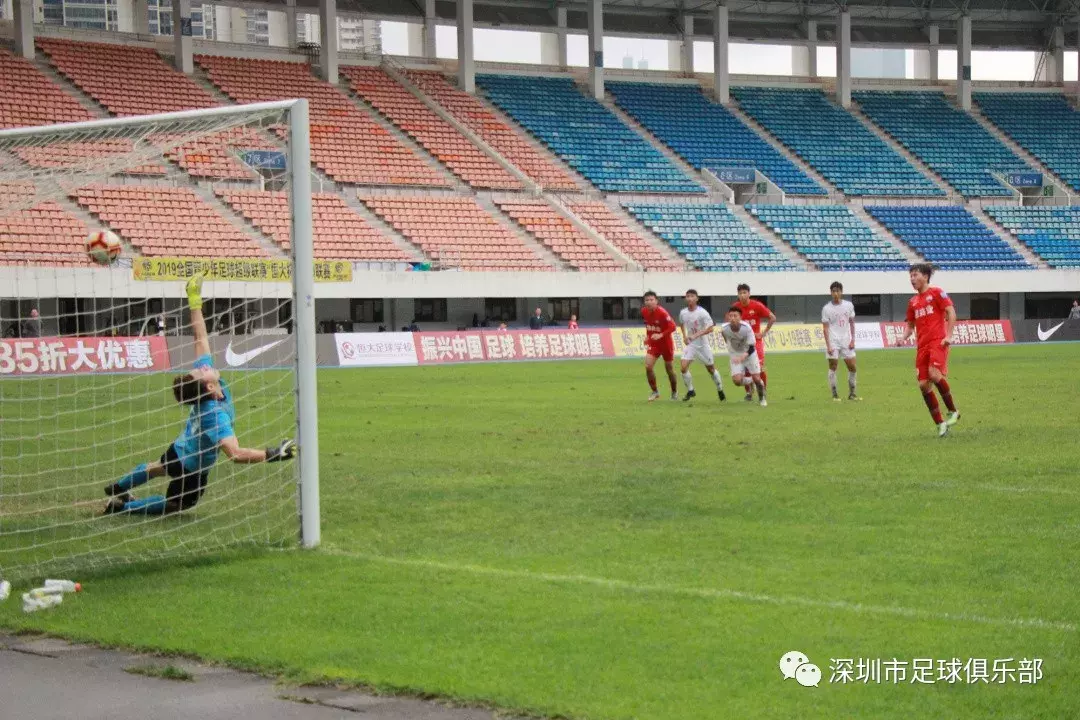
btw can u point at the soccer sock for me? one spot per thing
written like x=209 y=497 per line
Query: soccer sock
x=153 y=505
x=832 y=381
x=761 y=390
x=764 y=377
x=717 y=379
x=946 y=394
x=747 y=381
x=674 y=383
x=135 y=478
x=932 y=405
x=851 y=381
x=686 y=378
x=652 y=379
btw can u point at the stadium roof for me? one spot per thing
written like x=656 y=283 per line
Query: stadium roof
x=1004 y=24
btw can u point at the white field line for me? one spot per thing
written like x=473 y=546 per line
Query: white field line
x=705 y=593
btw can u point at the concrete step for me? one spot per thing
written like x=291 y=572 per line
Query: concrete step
x=767 y=233
x=486 y=202
x=903 y=152
x=41 y=62
x=881 y=231
x=647 y=235
x=1020 y=152
x=1025 y=252
x=388 y=230
x=202 y=80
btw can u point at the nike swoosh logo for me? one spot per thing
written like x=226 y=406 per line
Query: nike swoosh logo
x=1045 y=334
x=237 y=359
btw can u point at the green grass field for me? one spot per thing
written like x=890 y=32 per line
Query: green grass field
x=539 y=538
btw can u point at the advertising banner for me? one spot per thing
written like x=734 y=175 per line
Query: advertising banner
x=241 y=269
x=86 y=355
x=967 y=332
x=250 y=352
x=630 y=342
x=1046 y=330
x=375 y=349
x=477 y=346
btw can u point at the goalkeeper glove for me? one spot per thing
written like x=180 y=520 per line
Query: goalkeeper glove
x=194 y=291
x=285 y=451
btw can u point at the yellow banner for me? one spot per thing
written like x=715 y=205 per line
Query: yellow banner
x=630 y=342
x=240 y=269
x=786 y=338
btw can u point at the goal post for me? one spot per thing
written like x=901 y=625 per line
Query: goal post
x=88 y=353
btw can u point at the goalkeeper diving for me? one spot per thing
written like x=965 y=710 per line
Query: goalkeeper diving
x=209 y=429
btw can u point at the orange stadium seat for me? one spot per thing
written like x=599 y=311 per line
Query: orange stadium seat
x=600 y=218
x=75 y=154
x=41 y=234
x=213 y=155
x=30 y=98
x=456 y=232
x=560 y=235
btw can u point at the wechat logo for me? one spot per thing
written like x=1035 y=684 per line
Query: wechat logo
x=796 y=665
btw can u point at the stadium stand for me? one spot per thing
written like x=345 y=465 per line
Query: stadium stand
x=1051 y=232
x=471 y=112
x=30 y=98
x=215 y=155
x=439 y=137
x=456 y=232
x=43 y=234
x=584 y=133
x=84 y=154
x=340 y=233
x=944 y=137
x=830 y=236
x=706 y=134
x=833 y=142
x=560 y=235
x=166 y=221
x=1044 y=124
x=710 y=236
x=616 y=231
x=345 y=143
x=949 y=237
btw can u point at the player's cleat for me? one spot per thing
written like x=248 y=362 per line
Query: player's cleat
x=720 y=392
x=690 y=394
x=953 y=418
x=943 y=429
x=114 y=505
x=675 y=395
x=654 y=395
x=853 y=396
x=835 y=397
x=749 y=397
x=764 y=402
x=114 y=491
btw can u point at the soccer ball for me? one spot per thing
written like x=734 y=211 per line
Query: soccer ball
x=103 y=247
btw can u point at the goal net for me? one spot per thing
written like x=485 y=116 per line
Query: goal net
x=88 y=352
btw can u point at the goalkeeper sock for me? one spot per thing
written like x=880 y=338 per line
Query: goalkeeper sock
x=153 y=505
x=135 y=478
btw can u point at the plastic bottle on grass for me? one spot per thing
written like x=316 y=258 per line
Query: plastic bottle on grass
x=33 y=604
x=67 y=586
x=5 y=590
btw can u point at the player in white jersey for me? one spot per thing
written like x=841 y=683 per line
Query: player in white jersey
x=742 y=352
x=697 y=325
x=838 y=326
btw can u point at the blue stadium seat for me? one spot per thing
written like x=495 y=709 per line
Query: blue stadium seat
x=1051 y=232
x=944 y=137
x=1044 y=124
x=949 y=237
x=830 y=236
x=584 y=133
x=706 y=134
x=710 y=237
x=834 y=143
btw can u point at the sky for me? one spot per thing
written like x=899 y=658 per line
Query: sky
x=744 y=59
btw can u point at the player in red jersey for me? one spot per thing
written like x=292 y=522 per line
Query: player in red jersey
x=659 y=343
x=932 y=317
x=752 y=312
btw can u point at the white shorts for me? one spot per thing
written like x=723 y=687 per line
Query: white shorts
x=749 y=366
x=701 y=352
x=841 y=351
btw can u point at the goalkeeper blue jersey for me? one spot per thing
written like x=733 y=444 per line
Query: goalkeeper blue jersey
x=210 y=422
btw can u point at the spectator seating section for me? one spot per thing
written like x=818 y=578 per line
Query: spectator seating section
x=340 y=233
x=831 y=237
x=834 y=142
x=422 y=124
x=587 y=135
x=944 y=137
x=560 y=235
x=1044 y=124
x=85 y=155
x=345 y=142
x=31 y=98
x=619 y=233
x=161 y=220
x=475 y=115
x=706 y=134
x=949 y=237
x=215 y=155
x=456 y=232
x=40 y=233
x=1051 y=232
x=710 y=236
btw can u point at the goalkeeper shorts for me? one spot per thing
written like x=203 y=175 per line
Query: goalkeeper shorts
x=186 y=487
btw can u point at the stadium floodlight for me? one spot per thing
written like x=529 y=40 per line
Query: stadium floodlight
x=88 y=353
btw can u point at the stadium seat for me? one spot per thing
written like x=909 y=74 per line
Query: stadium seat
x=585 y=134
x=710 y=237
x=706 y=134
x=215 y=155
x=340 y=233
x=944 y=137
x=85 y=155
x=171 y=221
x=345 y=143
x=619 y=233
x=1044 y=124
x=830 y=236
x=1052 y=232
x=834 y=143
x=456 y=232
x=472 y=113
x=560 y=235
x=40 y=233
x=949 y=237
x=421 y=123
x=30 y=98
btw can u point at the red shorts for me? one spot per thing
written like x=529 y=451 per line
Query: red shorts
x=760 y=349
x=929 y=356
x=665 y=350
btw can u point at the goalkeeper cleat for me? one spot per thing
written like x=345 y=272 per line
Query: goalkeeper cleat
x=953 y=418
x=115 y=491
x=654 y=395
x=193 y=288
x=115 y=505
